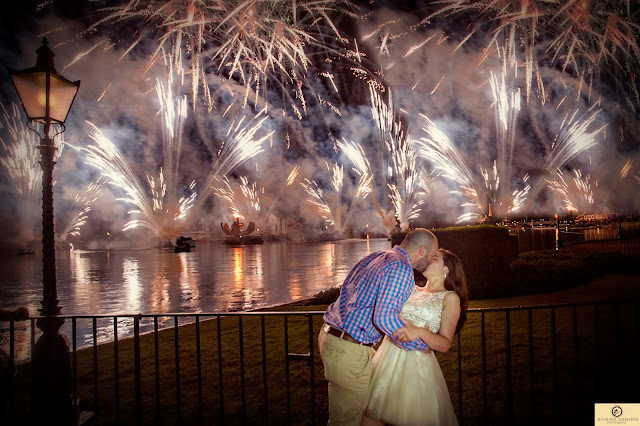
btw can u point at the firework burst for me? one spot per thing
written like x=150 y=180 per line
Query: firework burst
x=407 y=180
x=20 y=160
x=244 y=201
x=78 y=214
x=574 y=138
x=154 y=214
x=333 y=208
x=577 y=194
x=495 y=196
x=288 y=182
x=159 y=206
x=592 y=40
x=265 y=45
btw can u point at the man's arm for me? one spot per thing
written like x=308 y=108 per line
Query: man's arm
x=391 y=298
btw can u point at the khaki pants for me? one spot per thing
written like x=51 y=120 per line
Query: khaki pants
x=347 y=368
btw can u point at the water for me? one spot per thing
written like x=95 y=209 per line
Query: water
x=546 y=238
x=213 y=278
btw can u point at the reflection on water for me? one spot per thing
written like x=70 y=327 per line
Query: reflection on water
x=550 y=238
x=131 y=277
x=213 y=278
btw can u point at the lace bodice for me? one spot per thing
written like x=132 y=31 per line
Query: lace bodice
x=423 y=308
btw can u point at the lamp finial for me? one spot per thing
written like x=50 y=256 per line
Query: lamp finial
x=45 y=57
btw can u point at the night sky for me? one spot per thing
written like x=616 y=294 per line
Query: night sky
x=452 y=89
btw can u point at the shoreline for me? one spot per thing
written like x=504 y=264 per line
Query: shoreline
x=606 y=288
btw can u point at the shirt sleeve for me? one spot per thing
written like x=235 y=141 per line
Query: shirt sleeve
x=392 y=294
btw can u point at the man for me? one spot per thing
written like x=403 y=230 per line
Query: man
x=368 y=307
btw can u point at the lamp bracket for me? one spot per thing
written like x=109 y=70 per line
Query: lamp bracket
x=34 y=129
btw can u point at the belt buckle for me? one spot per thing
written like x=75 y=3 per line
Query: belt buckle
x=326 y=327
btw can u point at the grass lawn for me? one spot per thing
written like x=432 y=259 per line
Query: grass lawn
x=600 y=365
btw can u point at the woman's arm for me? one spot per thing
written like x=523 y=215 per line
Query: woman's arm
x=442 y=340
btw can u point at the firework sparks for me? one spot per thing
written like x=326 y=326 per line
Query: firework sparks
x=436 y=147
x=155 y=214
x=576 y=194
x=78 y=214
x=507 y=107
x=626 y=168
x=318 y=199
x=483 y=194
x=573 y=139
x=331 y=205
x=260 y=44
x=162 y=210
x=288 y=182
x=245 y=204
x=590 y=39
x=20 y=159
x=241 y=144
x=403 y=175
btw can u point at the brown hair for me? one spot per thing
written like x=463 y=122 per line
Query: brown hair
x=456 y=281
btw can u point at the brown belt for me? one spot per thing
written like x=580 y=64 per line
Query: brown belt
x=342 y=335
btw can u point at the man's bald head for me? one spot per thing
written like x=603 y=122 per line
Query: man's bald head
x=421 y=245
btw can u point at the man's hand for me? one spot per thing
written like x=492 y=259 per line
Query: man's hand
x=408 y=333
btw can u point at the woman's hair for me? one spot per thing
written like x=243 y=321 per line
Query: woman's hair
x=456 y=281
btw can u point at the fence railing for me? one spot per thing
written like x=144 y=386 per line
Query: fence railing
x=517 y=365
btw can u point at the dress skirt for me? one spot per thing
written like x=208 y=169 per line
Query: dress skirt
x=408 y=388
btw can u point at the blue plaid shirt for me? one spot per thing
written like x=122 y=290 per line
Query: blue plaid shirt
x=372 y=297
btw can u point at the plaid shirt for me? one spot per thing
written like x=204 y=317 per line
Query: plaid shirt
x=372 y=297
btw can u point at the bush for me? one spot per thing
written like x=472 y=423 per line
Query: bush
x=545 y=271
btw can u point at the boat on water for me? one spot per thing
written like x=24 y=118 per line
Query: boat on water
x=184 y=244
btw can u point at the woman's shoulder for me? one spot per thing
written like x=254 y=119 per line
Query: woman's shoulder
x=451 y=296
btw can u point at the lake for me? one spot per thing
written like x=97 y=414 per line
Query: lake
x=212 y=278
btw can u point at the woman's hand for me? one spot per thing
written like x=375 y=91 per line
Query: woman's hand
x=408 y=333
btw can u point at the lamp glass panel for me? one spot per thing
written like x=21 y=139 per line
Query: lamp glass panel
x=31 y=88
x=61 y=95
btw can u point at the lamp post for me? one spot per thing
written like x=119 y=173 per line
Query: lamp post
x=46 y=97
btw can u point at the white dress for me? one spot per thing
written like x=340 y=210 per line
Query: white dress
x=407 y=387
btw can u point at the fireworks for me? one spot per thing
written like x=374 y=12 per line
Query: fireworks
x=20 y=159
x=154 y=213
x=405 y=177
x=77 y=216
x=261 y=44
x=331 y=205
x=241 y=144
x=436 y=147
x=589 y=39
x=497 y=198
x=577 y=194
x=163 y=210
x=288 y=182
x=245 y=205
x=573 y=139
x=626 y=168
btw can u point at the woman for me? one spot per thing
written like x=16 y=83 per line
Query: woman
x=407 y=387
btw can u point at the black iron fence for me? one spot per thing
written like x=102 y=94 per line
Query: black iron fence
x=545 y=364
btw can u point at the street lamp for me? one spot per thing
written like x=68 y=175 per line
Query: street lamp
x=46 y=97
